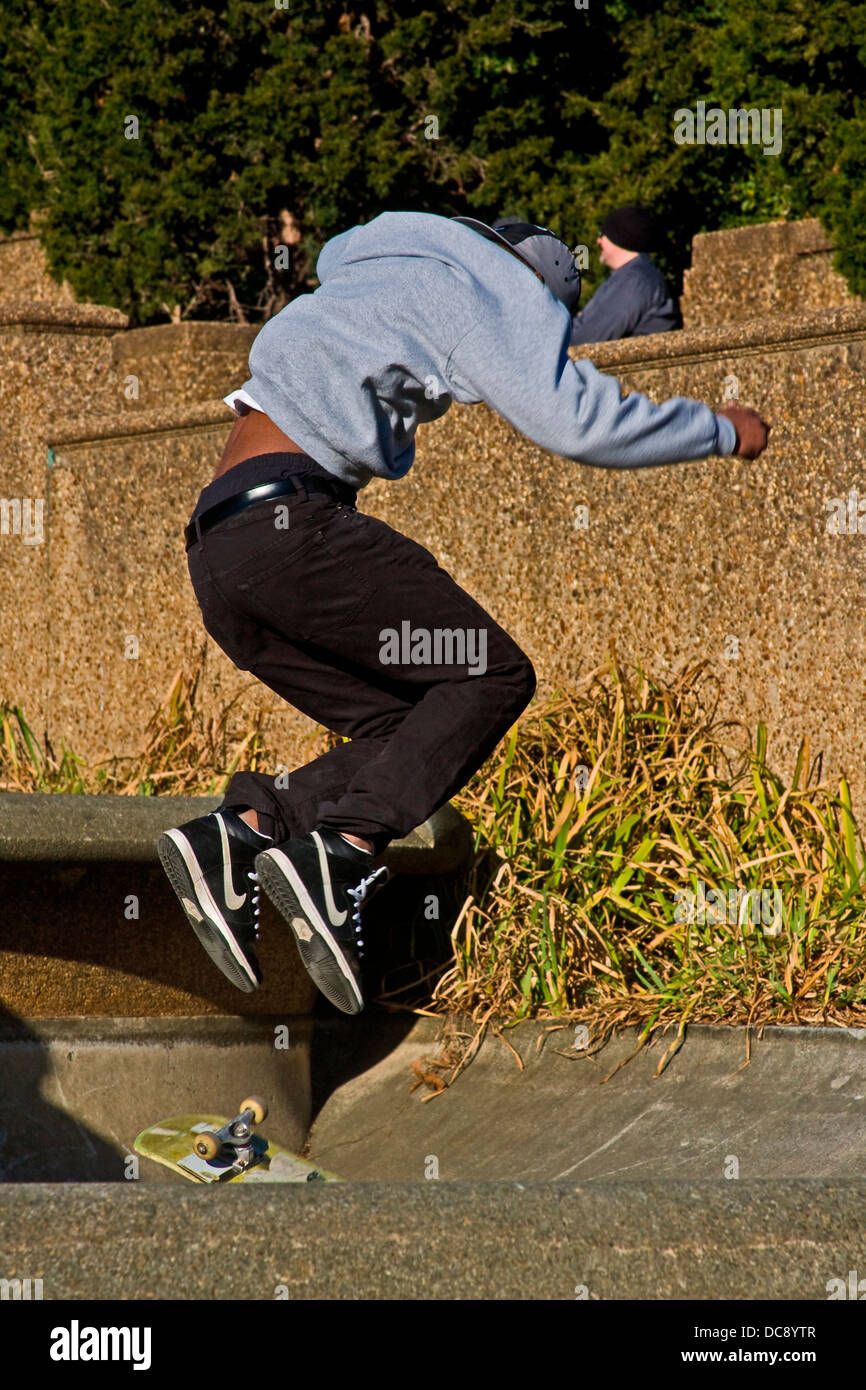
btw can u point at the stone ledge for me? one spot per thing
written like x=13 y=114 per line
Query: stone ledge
x=71 y=430
x=214 y=1031
x=38 y=827
x=58 y=315
x=767 y=268
x=805 y=237
x=746 y=337
x=678 y=1239
x=444 y=844
x=55 y=827
x=749 y=337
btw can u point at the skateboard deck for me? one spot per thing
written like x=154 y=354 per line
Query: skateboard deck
x=233 y=1152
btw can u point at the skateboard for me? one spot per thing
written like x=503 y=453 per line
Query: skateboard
x=212 y=1149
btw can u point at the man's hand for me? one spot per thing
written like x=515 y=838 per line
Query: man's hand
x=752 y=431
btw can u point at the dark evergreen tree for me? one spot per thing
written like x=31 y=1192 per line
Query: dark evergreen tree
x=189 y=161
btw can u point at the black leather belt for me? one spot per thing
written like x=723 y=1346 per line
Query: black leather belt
x=263 y=493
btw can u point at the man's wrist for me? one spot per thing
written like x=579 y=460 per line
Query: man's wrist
x=727 y=439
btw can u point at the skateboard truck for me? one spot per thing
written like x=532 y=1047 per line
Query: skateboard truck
x=234 y=1147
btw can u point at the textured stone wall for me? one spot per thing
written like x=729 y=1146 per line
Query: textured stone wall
x=752 y=272
x=718 y=559
x=23 y=274
x=123 y=491
x=61 y=360
x=54 y=357
x=177 y=363
x=678 y=561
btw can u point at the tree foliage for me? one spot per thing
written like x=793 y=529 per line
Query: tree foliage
x=189 y=161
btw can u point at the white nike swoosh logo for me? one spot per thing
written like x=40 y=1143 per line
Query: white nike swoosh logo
x=337 y=918
x=232 y=899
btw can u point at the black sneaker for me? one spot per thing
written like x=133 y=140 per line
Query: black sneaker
x=207 y=861
x=319 y=882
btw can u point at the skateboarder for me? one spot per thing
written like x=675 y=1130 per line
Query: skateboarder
x=342 y=616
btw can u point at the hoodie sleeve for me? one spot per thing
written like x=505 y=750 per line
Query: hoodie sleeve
x=517 y=361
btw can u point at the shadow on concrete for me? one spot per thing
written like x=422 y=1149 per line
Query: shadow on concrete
x=91 y=986
x=70 y=945
x=38 y=1141
x=77 y=1091
x=91 y=925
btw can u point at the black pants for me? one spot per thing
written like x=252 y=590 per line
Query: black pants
x=358 y=627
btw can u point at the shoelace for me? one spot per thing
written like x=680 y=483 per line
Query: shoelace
x=255 y=880
x=359 y=895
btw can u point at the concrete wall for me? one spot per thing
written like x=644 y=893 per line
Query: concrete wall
x=54 y=357
x=177 y=363
x=677 y=561
x=752 y=272
x=122 y=492
x=61 y=360
x=23 y=273
x=719 y=560
x=68 y=950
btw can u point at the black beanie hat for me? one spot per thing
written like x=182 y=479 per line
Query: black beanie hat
x=632 y=228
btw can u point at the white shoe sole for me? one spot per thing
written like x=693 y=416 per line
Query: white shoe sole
x=279 y=878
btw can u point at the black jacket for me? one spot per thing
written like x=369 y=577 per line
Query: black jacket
x=633 y=301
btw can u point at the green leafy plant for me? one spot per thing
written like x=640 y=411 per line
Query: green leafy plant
x=602 y=815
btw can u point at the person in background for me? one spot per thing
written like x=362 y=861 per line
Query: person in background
x=634 y=300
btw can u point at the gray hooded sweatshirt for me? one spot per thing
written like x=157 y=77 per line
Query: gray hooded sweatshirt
x=415 y=311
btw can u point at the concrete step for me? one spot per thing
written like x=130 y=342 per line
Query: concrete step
x=45 y=827
x=682 y=1239
x=76 y=1092
x=798 y=1109
x=89 y=924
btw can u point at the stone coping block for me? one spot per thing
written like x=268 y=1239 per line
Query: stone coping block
x=757 y=336
x=60 y=315
x=678 y=1239
x=444 y=844
x=64 y=828
x=206 y=1031
x=58 y=827
x=86 y=429
x=765 y=268
x=754 y=242
x=181 y=363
